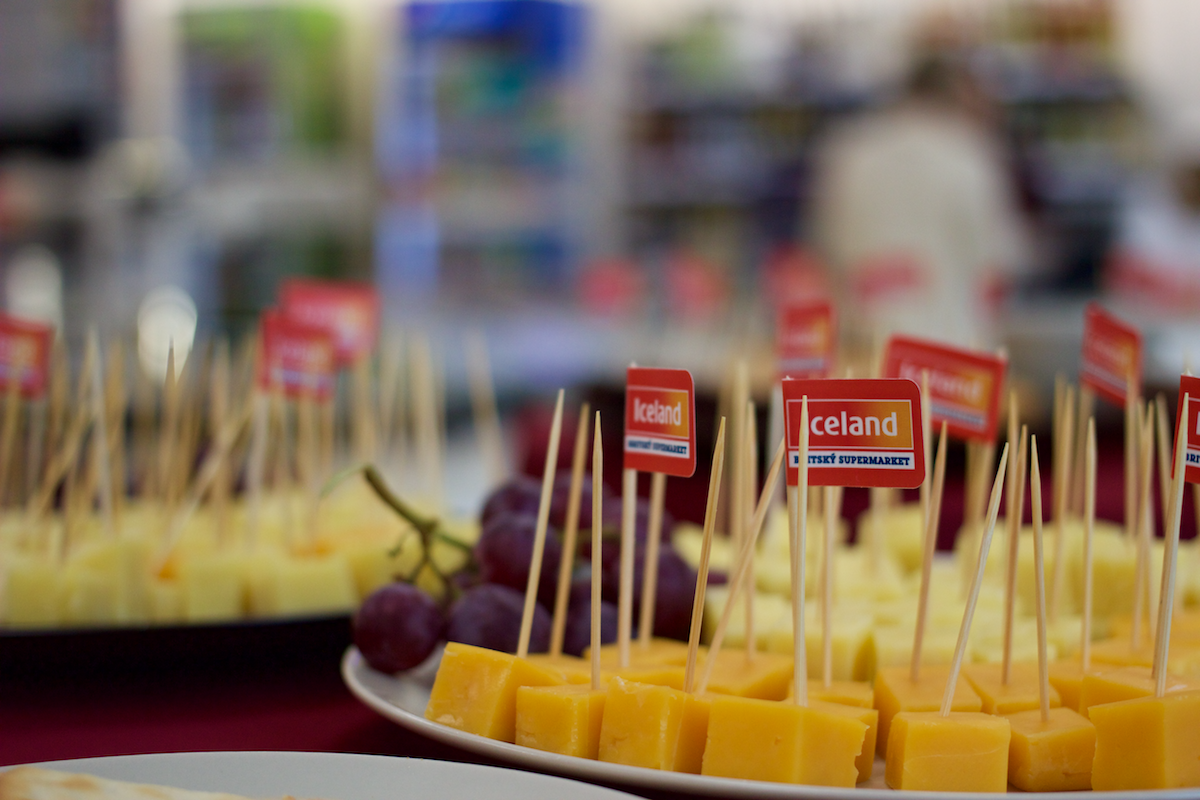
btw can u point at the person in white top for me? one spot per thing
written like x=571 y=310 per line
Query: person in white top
x=915 y=214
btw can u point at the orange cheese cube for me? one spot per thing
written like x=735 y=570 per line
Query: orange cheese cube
x=896 y=692
x=659 y=675
x=864 y=762
x=560 y=719
x=962 y=752
x=641 y=724
x=765 y=677
x=782 y=742
x=657 y=651
x=1067 y=679
x=1051 y=756
x=1148 y=743
x=1122 y=683
x=476 y=690
x=574 y=670
x=1118 y=652
x=847 y=693
x=855 y=695
x=693 y=733
x=1019 y=694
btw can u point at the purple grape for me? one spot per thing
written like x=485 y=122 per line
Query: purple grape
x=490 y=616
x=505 y=548
x=397 y=627
x=561 y=498
x=675 y=590
x=520 y=495
x=577 y=636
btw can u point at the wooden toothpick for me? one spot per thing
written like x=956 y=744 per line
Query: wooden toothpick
x=1171 y=556
x=798 y=535
x=710 y=524
x=1089 y=524
x=931 y=530
x=1016 y=511
x=543 y=519
x=570 y=533
x=960 y=647
x=1039 y=573
x=597 y=545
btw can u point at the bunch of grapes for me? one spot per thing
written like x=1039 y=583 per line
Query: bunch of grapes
x=399 y=626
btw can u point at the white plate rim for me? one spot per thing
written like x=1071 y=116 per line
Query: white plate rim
x=356 y=674
x=335 y=776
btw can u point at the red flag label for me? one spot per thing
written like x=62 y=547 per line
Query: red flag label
x=348 y=311
x=862 y=432
x=964 y=385
x=660 y=421
x=298 y=358
x=1112 y=356
x=25 y=355
x=804 y=340
x=1189 y=386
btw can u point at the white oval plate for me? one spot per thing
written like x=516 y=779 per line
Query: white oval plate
x=402 y=699
x=332 y=776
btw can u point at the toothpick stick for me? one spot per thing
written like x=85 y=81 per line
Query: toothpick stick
x=927 y=443
x=483 y=403
x=1164 y=456
x=65 y=458
x=36 y=446
x=827 y=565
x=8 y=438
x=208 y=473
x=798 y=536
x=750 y=474
x=218 y=411
x=1171 y=556
x=745 y=554
x=658 y=490
x=257 y=456
x=1061 y=488
x=597 y=545
x=389 y=374
x=425 y=417
x=960 y=647
x=168 y=428
x=737 y=486
x=931 y=530
x=117 y=400
x=1039 y=574
x=543 y=519
x=710 y=524
x=1016 y=511
x=1089 y=524
x=1141 y=586
x=1086 y=411
x=1131 y=424
x=100 y=413
x=364 y=410
x=570 y=533
x=625 y=583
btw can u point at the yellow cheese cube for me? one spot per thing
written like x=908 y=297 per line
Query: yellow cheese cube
x=31 y=592
x=88 y=596
x=476 y=690
x=1119 y=652
x=574 y=670
x=1051 y=756
x=1019 y=694
x=1148 y=743
x=782 y=742
x=893 y=646
x=895 y=691
x=641 y=724
x=659 y=675
x=1122 y=683
x=846 y=693
x=166 y=602
x=560 y=719
x=213 y=587
x=657 y=653
x=864 y=762
x=765 y=677
x=852 y=694
x=962 y=752
x=1067 y=679
x=289 y=586
x=693 y=733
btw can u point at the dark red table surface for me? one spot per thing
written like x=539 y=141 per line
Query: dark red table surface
x=84 y=711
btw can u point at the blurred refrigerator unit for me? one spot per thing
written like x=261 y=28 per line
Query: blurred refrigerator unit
x=479 y=151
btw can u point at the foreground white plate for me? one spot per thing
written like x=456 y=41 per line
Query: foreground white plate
x=403 y=698
x=333 y=776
